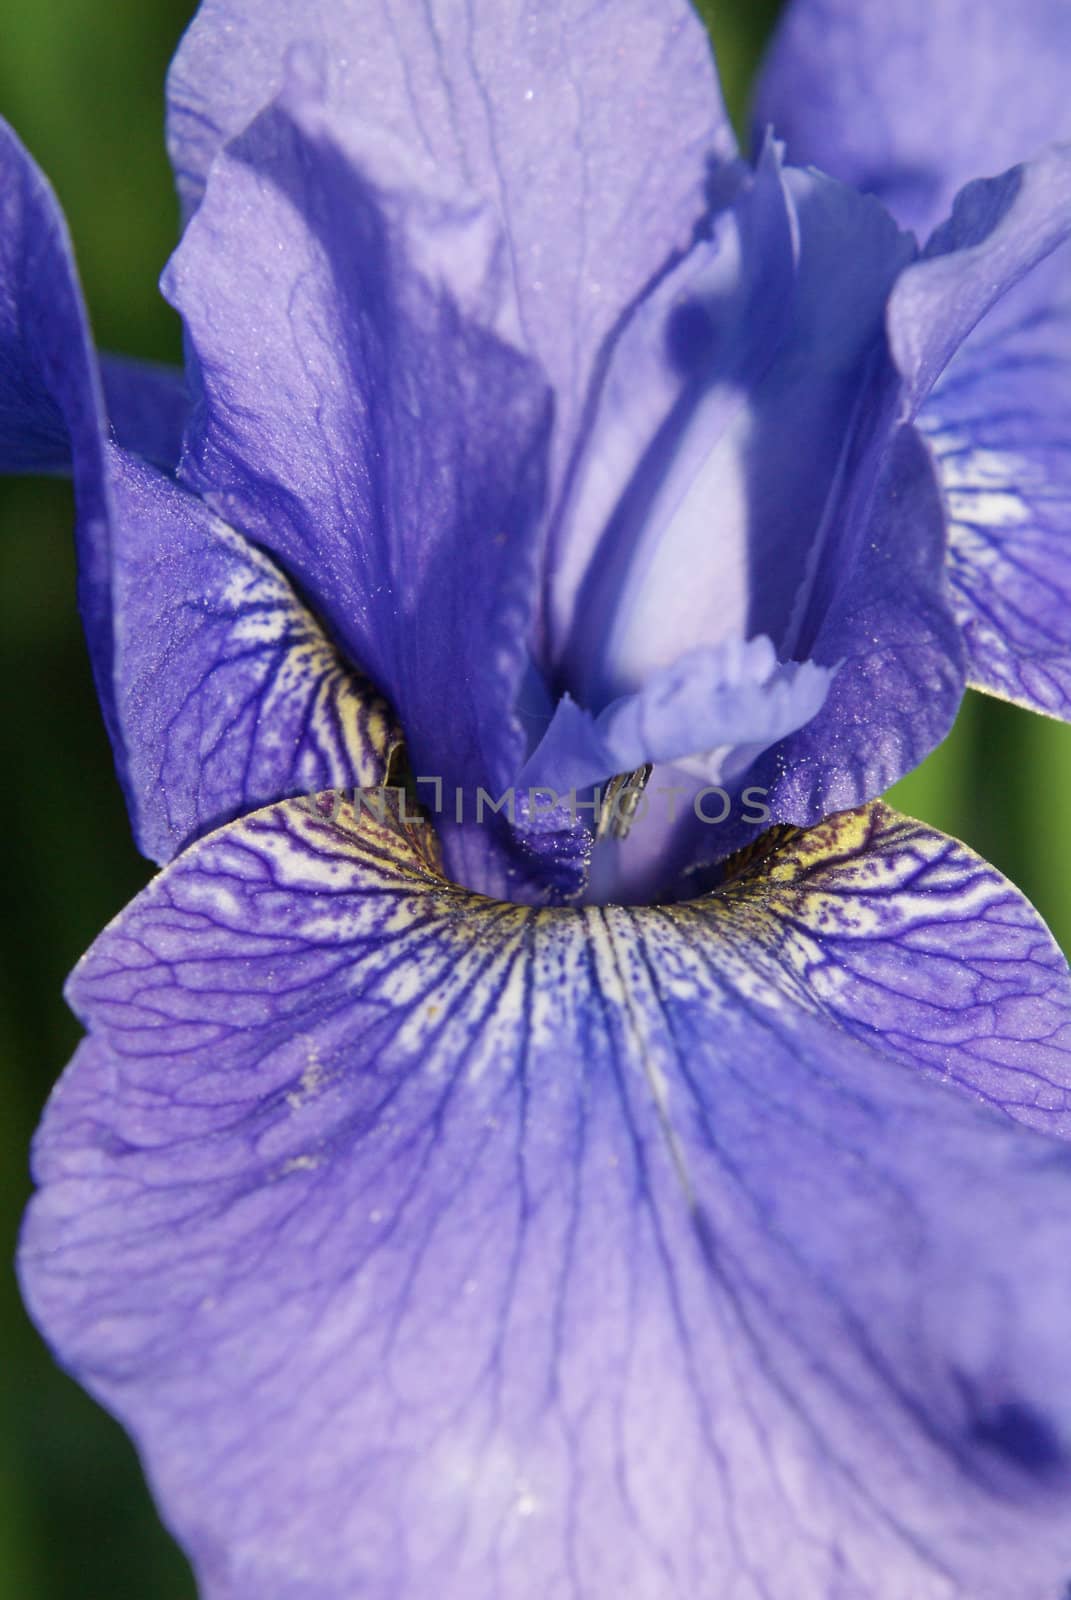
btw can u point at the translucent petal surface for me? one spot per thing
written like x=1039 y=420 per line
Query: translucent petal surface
x=746 y=409
x=430 y=1244
x=999 y=230
x=587 y=127
x=888 y=626
x=361 y=419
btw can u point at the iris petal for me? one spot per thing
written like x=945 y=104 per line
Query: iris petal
x=362 y=419
x=1000 y=427
x=50 y=403
x=746 y=409
x=1000 y=228
x=999 y=418
x=52 y=412
x=891 y=99
x=890 y=626
x=147 y=407
x=684 y=365
x=910 y=100
x=227 y=692
x=745 y=476
x=720 y=707
x=434 y=1245
x=586 y=128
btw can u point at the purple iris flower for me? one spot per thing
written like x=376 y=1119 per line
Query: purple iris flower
x=523 y=1205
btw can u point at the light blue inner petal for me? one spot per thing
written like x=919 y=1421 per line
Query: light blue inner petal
x=739 y=430
x=744 y=487
x=712 y=711
x=650 y=555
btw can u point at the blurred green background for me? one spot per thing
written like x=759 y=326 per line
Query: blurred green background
x=83 y=85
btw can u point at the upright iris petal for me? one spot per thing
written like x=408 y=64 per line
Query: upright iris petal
x=49 y=395
x=412 y=287
x=910 y=101
x=738 y=443
x=406 y=500
x=588 y=129
x=732 y=489
x=911 y=105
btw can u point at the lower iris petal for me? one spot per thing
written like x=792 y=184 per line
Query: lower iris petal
x=230 y=700
x=432 y=1244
